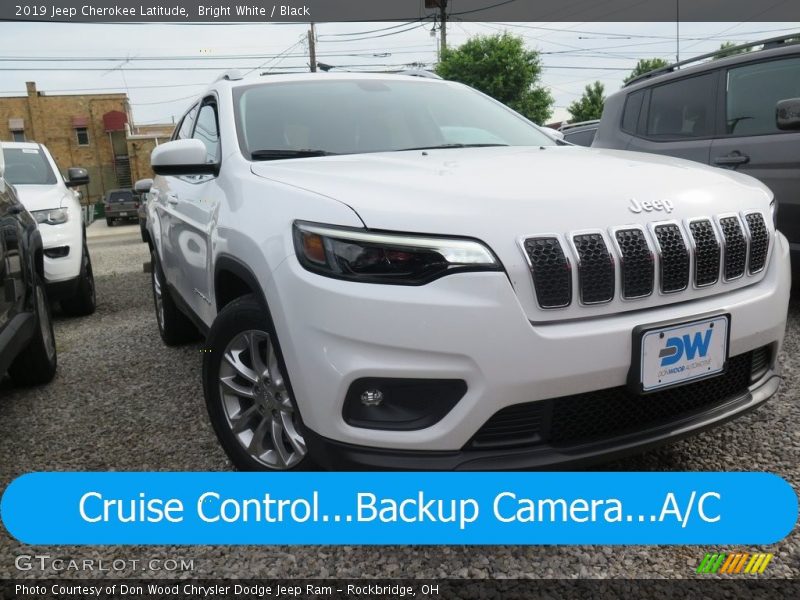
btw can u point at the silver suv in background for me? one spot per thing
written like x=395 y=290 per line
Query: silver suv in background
x=740 y=113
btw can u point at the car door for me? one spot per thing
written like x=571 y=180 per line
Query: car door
x=678 y=118
x=5 y=272
x=753 y=144
x=164 y=195
x=195 y=207
x=11 y=268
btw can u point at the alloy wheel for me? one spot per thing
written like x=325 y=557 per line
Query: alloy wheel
x=257 y=403
x=45 y=324
x=157 y=295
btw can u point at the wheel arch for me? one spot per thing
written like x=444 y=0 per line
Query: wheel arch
x=233 y=279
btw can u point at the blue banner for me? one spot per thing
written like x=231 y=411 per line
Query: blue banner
x=399 y=508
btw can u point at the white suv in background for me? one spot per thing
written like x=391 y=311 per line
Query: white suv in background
x=400 y=272
x=52 y=201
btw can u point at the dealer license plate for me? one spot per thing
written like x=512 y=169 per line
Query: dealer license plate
x=678 y=354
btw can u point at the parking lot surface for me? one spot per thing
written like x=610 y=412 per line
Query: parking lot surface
x=123 y=401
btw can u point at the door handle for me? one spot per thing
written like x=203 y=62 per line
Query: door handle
x=732 y=159
x=172 y=198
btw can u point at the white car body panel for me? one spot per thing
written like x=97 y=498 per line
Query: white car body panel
x=485 y=328
x=47 y=197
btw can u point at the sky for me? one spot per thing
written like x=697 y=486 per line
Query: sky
x=163 y=67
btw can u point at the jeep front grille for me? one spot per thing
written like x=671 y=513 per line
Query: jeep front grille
x=674 y=258
x=759 y=241
x=668 y=257
x=706 y=253
x=735 y=247
x=552 y=274
x=638 y=271
x=595 y=269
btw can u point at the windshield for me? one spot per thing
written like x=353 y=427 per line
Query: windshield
x=371 y=115
x=27 y=166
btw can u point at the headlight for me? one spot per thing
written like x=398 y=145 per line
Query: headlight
x=773 y=211
x=372 y=257
x=55 y=216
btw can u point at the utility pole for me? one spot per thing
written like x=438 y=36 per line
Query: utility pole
x=443 y=21
x=678 y=30
x=442 y=6
x=312 y=48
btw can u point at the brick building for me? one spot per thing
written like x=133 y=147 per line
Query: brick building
x=91 y=131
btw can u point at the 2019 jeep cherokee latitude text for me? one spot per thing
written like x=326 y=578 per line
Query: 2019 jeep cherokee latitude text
x=396 y=272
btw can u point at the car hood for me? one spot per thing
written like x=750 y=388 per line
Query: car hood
x=41 y=197
x=483 y=192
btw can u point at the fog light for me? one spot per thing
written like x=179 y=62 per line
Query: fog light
x=371 y=397
x=57 y=252
x=400 y=404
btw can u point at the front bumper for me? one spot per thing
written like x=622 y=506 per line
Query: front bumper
x=337 y=455
x=66 y=268
x=471 y=327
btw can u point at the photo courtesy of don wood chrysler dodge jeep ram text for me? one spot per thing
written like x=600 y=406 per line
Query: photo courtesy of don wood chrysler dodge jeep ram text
x=398 y=272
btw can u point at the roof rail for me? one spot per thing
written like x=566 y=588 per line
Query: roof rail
x=230 y=75
x=566 y=126
x=768 y=43
x=419 y=73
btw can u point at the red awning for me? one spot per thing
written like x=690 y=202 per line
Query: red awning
x=80 y=122
x=115 y=120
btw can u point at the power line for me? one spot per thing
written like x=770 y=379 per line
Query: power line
x=360 y=54
x=373 y=37
x=106 y=89
x=398 y=26
x=163 y=101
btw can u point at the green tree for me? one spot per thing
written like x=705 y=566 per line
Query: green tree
x=645 y=65
x=501 y=66
x=590 y=105
x=725 y=50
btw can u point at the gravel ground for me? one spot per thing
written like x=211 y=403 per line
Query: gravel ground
x=122 y=401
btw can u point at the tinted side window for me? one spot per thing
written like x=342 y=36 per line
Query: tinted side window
x=187 y=125
x=753 y=92
x=207 y=132
x=682 y=109
x=581 y=138
x=630 y=114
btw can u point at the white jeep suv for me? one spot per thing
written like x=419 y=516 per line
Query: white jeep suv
x=50 y=198
x=399 y=272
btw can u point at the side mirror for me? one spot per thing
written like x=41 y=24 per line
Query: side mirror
x=77 y=176
x=182 y=157
x=787 y=114
x=143 y=186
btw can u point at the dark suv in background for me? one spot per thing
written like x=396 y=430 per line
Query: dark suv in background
x=27 y=344
x=741 y=112
x=121 y=205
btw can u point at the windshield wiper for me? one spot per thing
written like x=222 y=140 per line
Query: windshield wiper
x=446 y=146
x=278 y=154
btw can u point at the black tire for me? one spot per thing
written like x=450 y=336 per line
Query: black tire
x=84 y=302
x=37 y=363
x=272 y=401
x=143 y=233
x=174 y=326
x=109 y=221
